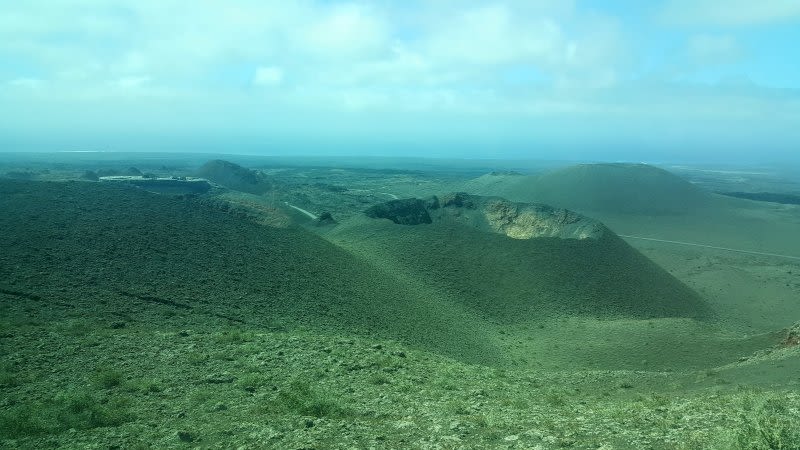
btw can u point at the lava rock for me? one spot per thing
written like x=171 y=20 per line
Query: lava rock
x=409 y=211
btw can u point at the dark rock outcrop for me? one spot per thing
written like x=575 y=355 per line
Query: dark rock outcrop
x=491 y=214
x=407 y=211
x=458 y=199
x=325 y=219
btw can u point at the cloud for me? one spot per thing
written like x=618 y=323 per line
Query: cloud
x=27 y=83
x=493 y=34
x=732 y=13
x=268 y=76
x=491 y=59
x=709 y=50
x=131 y=82
x=437 y=45
x=344 y=31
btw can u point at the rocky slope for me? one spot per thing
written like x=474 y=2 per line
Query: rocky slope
x=492 y=214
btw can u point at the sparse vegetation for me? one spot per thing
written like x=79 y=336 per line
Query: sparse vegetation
x=8 y=377
x=108 y=378
x=74 y=409
x=769 y=424
x=299 y=397
x=375 y=344
x=251 y=382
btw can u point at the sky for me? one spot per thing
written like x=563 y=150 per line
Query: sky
x=541 y=79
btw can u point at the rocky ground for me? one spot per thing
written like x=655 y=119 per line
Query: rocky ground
x=81 y=372
x=77 y=384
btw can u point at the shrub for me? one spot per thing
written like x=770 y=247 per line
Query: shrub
x=108 y=378
x=81 y=410
x=8 y=378
x=771 y=425
x=21 y=421
x=300 y=398
x=72 y=409
x=251 y=382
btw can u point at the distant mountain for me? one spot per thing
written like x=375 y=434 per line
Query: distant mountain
x=234 y=176
x=612 y=188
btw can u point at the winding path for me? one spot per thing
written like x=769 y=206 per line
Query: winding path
x=309 y=214
x=749 y=252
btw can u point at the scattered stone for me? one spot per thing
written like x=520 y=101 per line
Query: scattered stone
x=186 y=436
x=220 y=379
x=792 y=338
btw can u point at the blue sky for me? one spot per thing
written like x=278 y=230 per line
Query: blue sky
x=622 y=79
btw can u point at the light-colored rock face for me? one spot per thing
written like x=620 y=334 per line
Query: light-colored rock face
x=527 y=221
x=515 y=220
x=492 y=215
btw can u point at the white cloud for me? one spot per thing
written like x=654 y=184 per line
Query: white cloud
x=494 y=34
x=27 y=83
x=707 y=49
x=344 y=31
x=132 y=82
x=730 y=12
x=415 y=57
x=268 y=76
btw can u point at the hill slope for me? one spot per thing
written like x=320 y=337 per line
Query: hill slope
x=511 y=280
x=641 y=200
x=618 y=188
x=234 y=176
x=107 y=251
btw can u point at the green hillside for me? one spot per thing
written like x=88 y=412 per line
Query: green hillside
x=115 y=252
x=642 y=200
x=136 y=320
x=548 y=302
x=622 y=188
x=512 y=280
x=234 y=176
